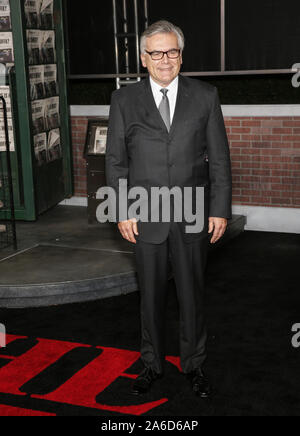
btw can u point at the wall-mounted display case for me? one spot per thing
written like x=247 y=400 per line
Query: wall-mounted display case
x=94 y=153
x=33 y=51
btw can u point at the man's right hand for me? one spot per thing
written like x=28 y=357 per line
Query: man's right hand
x=128 y=229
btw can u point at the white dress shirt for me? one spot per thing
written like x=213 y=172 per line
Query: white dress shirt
x=172 y=94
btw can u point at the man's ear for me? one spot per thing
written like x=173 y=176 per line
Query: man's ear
x=143 y=59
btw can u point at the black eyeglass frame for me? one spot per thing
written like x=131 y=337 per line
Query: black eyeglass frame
x=163 y=53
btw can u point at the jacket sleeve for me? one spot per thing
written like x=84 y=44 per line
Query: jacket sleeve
x=116 y=159
x=220 y=204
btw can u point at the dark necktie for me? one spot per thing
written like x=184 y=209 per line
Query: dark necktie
x=164 y=108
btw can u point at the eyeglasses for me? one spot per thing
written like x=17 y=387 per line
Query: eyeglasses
x=158 y=55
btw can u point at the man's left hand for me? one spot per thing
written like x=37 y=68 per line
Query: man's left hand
x=218 y=226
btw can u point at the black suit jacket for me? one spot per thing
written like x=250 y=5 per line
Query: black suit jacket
x=194 y=153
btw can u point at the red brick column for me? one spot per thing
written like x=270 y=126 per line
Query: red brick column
x=79 y=130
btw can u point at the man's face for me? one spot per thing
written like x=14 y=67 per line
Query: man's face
x=165 y=70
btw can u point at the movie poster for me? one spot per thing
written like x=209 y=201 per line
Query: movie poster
x=36 y=80
x=54 y=147
x=5 y=21
x=100 y=140
x=6 y=47
x=32 y=13
x=46 y=14
x=40 y=148
x=38 y=116
x=34 y=46
x=50 y=80
x=48 y=47
x=5 y=92
x=52 y=117
x=3 y=142
x=10 y=135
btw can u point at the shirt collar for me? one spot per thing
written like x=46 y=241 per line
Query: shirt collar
x=156 y=87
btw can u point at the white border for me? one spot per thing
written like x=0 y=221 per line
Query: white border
x=75 y=201
x=89 y=111
x=264 y=110
x=252 y=110
x=270 y=219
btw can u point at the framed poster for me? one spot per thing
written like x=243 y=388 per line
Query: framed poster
x=5 y=21
x=6 y=47
x=96 y=137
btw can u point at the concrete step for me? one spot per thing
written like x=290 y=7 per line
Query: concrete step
x=65 y=261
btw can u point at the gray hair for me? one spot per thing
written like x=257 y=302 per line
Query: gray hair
x=162 y=26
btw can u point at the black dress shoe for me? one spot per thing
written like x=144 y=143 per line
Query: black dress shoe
x=199 y=382
x=144 y=380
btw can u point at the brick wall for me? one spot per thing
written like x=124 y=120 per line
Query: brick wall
x=265 y=153
x=79 y=129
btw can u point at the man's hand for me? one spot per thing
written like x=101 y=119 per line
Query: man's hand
x=218 y=226
x=128 y=229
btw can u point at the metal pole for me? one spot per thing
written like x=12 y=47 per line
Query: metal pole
x=136 y=24
x=146 y=14
x=223 y=66
x=188 y=73
x=116 y=43
x=126 y=39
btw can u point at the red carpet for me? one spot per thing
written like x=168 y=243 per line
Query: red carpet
x=17 y=411
x=83 y=387
x=80 y=359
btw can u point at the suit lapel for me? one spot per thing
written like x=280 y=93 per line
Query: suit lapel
x=147 y=99
x=181 y=106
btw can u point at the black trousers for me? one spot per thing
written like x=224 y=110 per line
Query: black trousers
x=188 y=263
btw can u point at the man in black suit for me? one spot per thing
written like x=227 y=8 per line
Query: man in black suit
x=168 y=131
